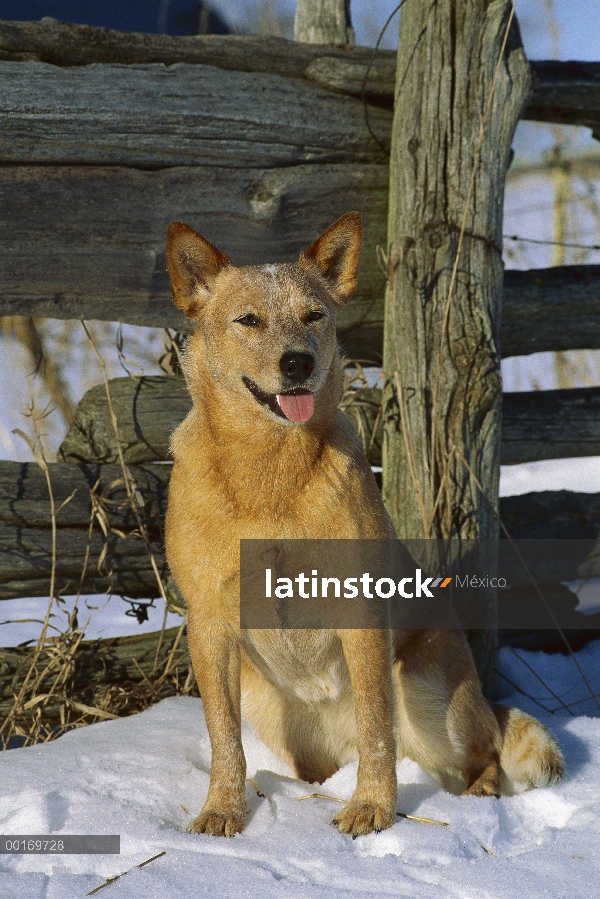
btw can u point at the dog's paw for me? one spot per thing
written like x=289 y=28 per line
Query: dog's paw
x=360 y=818
x=483 y=788
x=218 y=823
x=486 y=784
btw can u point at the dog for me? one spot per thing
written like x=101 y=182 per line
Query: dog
x=265 y=453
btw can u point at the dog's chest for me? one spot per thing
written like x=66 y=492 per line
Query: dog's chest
x=307 y=664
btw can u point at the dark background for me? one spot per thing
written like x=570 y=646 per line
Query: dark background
x=175 y=17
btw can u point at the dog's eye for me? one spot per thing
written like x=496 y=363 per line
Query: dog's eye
x=315 y=316
x=249 y=319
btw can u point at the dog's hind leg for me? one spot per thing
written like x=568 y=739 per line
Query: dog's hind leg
x=443 y=721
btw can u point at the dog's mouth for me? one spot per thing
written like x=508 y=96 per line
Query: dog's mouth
x=295 y=405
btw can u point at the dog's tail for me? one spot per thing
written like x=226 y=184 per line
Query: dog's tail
x=530 y=755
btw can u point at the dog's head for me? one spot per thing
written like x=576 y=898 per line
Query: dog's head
x=267 y=331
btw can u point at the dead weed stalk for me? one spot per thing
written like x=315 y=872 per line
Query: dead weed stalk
x=64 y=681
x=132 y=490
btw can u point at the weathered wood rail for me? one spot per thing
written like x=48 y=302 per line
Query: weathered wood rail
x=154 y=116
x=70 y=251
x=565 y=92
x=550 y=424
x=98 y=665
x=26 y=537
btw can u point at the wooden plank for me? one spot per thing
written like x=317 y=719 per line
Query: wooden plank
x=68 y=44
x=24 y=499
x=25 y=530
x=147 y=409
x=156 y=116
x=142 y=115
x=552 y=515
x=25 y=563
x=86 y=241
x=68 y=249
x=548 y=424
x=551 y=309
x=543 y=310
x=565 y=92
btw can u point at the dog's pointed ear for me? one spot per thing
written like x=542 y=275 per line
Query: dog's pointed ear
x=336 y=254
x=193 y=265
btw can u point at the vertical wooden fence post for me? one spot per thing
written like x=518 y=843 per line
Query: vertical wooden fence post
x=323 y=22
x=462 y=81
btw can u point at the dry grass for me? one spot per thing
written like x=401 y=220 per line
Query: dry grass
x=362 y=405
x=64 y=682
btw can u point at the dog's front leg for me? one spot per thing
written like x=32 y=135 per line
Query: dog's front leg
x=215 y=651
x=373 y=805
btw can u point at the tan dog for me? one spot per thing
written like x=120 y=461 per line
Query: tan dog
x=265 y=454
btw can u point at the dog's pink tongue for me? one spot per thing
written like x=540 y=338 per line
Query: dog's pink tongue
x=297 y=406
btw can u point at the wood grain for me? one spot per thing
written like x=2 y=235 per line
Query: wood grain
x=147 y=409
x=156 y=116
x=565 y=92
x=550 y=424
x=89 y=242
x=544 y=424
x=25 y=530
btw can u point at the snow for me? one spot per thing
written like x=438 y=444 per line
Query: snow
x=106 y=616
x=146 y=777
x=552 y=682
x=580 y=475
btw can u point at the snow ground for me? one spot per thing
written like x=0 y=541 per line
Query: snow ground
x=146 y=776
x=21 y=619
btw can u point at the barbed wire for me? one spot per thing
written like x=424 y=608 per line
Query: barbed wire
x=551 y=243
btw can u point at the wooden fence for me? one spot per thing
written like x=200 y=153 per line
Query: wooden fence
x=259 y=143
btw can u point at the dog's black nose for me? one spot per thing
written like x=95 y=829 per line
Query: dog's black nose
x=297 y=367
